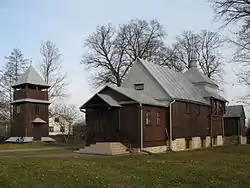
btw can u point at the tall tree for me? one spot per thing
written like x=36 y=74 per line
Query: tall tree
x=51 y=70
x=207 y=45
x=111 y=52
x=15 y=65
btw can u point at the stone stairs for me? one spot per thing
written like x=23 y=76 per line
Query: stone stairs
x=105 y=148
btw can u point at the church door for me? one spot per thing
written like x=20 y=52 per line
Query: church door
x=37 y=132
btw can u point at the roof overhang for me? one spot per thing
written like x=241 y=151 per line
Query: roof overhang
x=39 y=120
x=30 y=101
x=194 y=102
x=104 y=97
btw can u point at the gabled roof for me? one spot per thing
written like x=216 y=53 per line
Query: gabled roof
x=31 y=76
x=108 y=99
x=195 y=76
x=137 y=96
x=235 y=111
x=175 y=84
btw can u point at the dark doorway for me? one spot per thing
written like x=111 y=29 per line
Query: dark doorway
x=37 y=132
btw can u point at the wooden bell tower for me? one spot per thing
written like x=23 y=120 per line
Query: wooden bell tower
x=30 y=107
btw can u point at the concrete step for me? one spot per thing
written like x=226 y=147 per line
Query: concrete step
x=105 y=148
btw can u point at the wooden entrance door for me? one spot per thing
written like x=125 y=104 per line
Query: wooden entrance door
x=37 y=132
x=110 y=125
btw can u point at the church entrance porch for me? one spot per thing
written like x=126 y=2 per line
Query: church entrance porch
x=103 y=119
x=39 y=129
x=106 y=125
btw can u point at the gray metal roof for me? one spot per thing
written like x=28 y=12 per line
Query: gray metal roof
x=31 y=76
x=175 y=84
x=38 y=120
x=138 y=96
x=108 y=99
x=235 y=111
x=208 y=94
x=195 y=76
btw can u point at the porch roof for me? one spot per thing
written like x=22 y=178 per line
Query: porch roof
x=106 y=98
x=109 y=100
x=38 y=120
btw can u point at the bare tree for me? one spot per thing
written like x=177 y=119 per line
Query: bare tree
x=238 y=12
x=207 y=45
x=69 y=115
x=50 y=67
x=111 y=52
x=233 y=11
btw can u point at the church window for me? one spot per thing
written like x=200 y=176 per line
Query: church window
x=147 y=117
x=139 y=86
x=18 y=109
x=37 y=109
x=158 y=118
x=188 y=106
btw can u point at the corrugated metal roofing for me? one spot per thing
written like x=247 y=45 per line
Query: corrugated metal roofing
x=31 y=76
x=175 y=84
x=208 y=94
x=137 y=96
x=108 y=99
x=195 y=76
x=235 y=111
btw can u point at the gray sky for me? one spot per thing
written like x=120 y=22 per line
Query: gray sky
x=68 y=23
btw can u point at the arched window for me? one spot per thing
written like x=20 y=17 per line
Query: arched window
x=158 y=118
x=148 y=117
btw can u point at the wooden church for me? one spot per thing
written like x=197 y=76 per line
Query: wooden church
x=30 y=109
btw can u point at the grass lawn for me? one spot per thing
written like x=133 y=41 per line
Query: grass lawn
x=23 y=146
x=42 y=152
x=35 y=145
x=215 y=167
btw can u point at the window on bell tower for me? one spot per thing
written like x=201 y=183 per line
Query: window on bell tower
x=37 y=109
x=18 y=109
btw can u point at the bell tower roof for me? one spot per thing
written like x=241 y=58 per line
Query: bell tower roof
x=32 y=77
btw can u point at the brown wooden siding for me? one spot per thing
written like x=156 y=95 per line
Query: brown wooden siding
x=30 y=93
x=234 y=126
x=22 y=123
x=155 y=134
x=217 y=126
x=188 y=121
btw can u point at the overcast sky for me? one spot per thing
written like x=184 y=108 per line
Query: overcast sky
x=24 y=23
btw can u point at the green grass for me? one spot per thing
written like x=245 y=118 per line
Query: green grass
x=23 y=146
x=216 y=167
x=35 y=145
x=42 y=152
